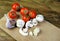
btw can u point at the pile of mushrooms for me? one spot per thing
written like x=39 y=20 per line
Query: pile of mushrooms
x=28 y=24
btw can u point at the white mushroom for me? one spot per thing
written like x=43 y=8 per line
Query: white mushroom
x=36 y=31
x=31 y=33
x=23 y=33
x=28 y=24
x=39 y=18
x=20 y=23
x=34 y=21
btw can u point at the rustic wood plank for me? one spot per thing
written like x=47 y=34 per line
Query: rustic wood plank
x=49 y=32
x=5 y=37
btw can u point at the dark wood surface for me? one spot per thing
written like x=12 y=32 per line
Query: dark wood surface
x=49 y=8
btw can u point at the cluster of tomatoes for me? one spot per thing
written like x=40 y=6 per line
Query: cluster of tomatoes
x=24 y=12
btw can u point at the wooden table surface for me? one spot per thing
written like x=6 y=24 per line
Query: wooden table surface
x=49 y=8
x=48 y=32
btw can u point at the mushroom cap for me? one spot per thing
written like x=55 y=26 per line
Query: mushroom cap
x=20 y=23
x=34 y=21
x=29 y=24
x=40 y=18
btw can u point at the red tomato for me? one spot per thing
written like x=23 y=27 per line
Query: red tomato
x=24 y=11
x=16 y=6
x=26 y=18
x=12 y=15
x=32 y=14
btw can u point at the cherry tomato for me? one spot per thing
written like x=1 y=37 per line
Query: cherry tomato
x=32 y=14
x=26 y=18
x=16 y=6
x=24 y=11
x=12 y=15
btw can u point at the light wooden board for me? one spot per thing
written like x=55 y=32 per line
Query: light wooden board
x=49 y=32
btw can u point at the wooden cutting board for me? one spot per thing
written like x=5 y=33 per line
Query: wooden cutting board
x=49 y=32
